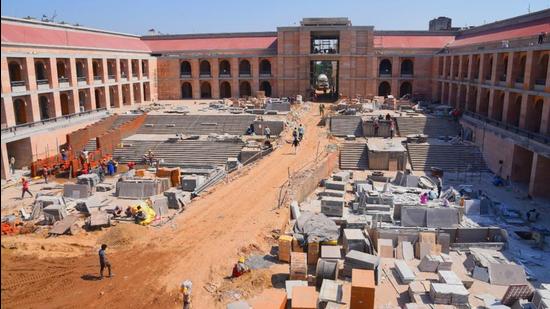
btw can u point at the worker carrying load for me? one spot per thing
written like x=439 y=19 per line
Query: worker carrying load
x=185 y=290
x=240 y=268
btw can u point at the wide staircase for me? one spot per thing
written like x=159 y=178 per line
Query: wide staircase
x=431 y=126
x=196 y=124
x=91 y=145
x=179 y=153
x=354 y=156
x=450 y=158
x=346 y=125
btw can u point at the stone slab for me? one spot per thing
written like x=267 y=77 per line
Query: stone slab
x=335 y=185
x=506 y=274
x=408 y=251
x=331 y=253
x=76 y=191
x=341 y=176
x=442 y=217
x=413 y=216
x=405 y=273
x=330 y=291
x=290 y=284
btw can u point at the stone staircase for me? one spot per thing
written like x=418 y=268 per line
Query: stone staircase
x=431 y=126
x=91 y=145
x=179 y=153
x=196 y=124
x=346 y=125
x=450 y=158
x=354 y=156
x=121 y=119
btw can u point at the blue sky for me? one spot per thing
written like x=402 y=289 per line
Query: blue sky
x=192 y=16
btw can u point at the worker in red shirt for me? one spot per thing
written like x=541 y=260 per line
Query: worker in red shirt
x=131 y=165
x=25 y=184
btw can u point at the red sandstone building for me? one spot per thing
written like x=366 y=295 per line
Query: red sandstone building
x=58 y=78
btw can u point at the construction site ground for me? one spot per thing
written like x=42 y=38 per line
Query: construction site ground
x=202 y=244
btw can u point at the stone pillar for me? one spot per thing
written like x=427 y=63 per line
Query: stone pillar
x=478 y=98
x=234 y=62
x=31 y=74
x=215 y=80
x=491 y=102
x=523 y=114
x=444 y=93
x=509 y=78
x=6 y=83
x=494 y=77
x=530 y=63
x=54 y=82
x=117 y=73
x=6 y=173
x=470 y=66
x=72 y=72
x=9 y=111
x=90 y=74
x=196 y=82
x=481 y=75
x=255 y=67
x=545 y=120
x=505 y=106
x=56 y=103
x=445 y=64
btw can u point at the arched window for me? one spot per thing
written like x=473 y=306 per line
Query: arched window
x=384 y=89
x=265 y=67
x=206 y=91
x=40 y=71
x=407 y=67
x=43 y=103
x=65 y=109
x=186 y=91
x=266 y=87
x=20 y=109
x=205 y=68
x=225 y=90
x=244 y=67
x=82 y=100
x=15 y=72
x=81 y=70
x=185 y=68
x=245 y=89
x=385 y=67
x=406 y=88
x=61 y=70
x=225 y=68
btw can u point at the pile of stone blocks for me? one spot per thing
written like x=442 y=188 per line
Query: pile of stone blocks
x=404 y=251
x=341 y=176
x=332 y=193
x=448 y=277
x=159 y=204
x=285 y=247
x=405 y=273
x=335 y=185
x=449 y=294
x=141 y=188
x=360 y=260
x=88 y=179
x=426 y=245
x=332 y=206
x=177 y=199
x=363 y=289
x=353 y=239
x=77 y=191
x=104 y=187
x=434 y=263
x=298 y=266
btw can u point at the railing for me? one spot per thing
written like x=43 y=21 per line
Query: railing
x=134 y=74
x=205 y=74
x=409 y=75
x=265 y=74
x=81 y=78
x=245 y=74
x=97 y=77
x=50 y=120
x=540 y=82
x=508 y=127
x=18 y=83
x=63 y=79
x=225 y=75
x=186 y=75
x=111 y=76
x=385 y=75
x=42 y=81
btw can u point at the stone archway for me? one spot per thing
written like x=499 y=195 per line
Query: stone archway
x=206 y=90
x=385 y=67
x=244 y=89
x=266 y=87
x=405 y=88
x=65 y=108
x=384 y=89
x=225 y=90
x=186 y=91
x=20 y=110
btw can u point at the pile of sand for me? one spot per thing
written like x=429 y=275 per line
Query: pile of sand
x=123 y=235
x=244 y=287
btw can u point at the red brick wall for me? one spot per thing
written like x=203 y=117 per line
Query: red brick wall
x=79 y=138
x=108 y=141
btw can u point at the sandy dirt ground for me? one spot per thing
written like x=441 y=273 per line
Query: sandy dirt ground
x=201 y=244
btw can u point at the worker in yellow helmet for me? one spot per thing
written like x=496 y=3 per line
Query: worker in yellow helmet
x=185 y=289
x=240 y=268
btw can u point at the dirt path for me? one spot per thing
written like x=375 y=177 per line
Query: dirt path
x=201 y=244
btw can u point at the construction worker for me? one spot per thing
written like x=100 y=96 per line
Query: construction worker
x=439 y=183
x=25 y=188
x=103 y=262
x=392 y=129
x=240 y=268
x=185 y=289
x=267 y=132
x=12 y=165
x=301 y=132
x=45 y=174
x=139 y=216
x=295 y=141
x=63 y=155
x=322 y=109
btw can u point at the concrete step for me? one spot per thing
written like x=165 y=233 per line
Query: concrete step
x=346 y=125
x=354 y=156
x=431 y=126
x=447 y=157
